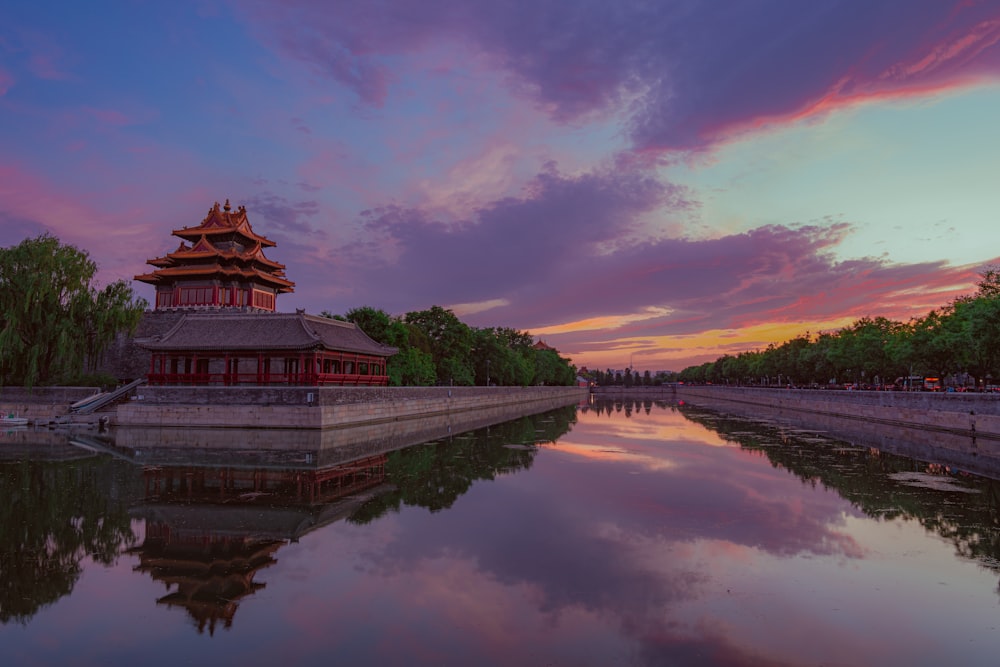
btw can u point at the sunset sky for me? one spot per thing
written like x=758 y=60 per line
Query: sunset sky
x=655 y=183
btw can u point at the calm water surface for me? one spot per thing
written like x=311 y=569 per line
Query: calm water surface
x=614 y=534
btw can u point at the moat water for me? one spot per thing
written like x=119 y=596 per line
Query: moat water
x=612 y=533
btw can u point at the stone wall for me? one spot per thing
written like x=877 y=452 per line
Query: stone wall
x=124 y=359
x=967 y=414
x=307 y=447
x=42 y=404
x=322 y=407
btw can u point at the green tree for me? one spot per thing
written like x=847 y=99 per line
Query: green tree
x=53 y=320
x=936 y=339
x=450 y=341
x=976 y=325
x=376 y=323
x=551 y=369
x=411 y=365
x=861 y=352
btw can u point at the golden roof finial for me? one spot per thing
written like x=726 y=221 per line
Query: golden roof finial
x=226 y=207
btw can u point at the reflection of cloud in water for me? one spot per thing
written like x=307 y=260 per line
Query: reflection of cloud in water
x=604 y=453
x=658 y=426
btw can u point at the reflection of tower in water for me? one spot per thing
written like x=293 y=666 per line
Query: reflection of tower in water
x=206 y=574
x=209 y=530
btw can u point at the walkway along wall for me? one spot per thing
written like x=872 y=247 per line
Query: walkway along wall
x=327 y=407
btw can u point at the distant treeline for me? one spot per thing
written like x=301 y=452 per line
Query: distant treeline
x=626 y=378
x=435 y=347
x=960 y=341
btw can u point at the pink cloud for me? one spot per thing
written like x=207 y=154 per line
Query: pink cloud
x=952 y=52
x=563 y=251
x=6 y=81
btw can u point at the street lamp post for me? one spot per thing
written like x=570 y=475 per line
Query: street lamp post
x=487 y=372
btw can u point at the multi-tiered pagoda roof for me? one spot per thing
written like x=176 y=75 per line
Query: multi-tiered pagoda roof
x=217 y=322
x=219 y=263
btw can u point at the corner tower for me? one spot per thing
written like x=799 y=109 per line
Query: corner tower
x=218 y=264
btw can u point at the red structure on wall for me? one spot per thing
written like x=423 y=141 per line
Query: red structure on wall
x=264 y=349
x=219 y=264
x=224 y=290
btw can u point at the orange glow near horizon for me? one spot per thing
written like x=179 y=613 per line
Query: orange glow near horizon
x=667 y=351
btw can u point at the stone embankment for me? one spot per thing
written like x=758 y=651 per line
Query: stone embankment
x=966 y=414
x=43 y=405
x=958 y=430
x=328 y=407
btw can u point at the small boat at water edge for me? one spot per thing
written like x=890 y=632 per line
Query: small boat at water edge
x=11 y=420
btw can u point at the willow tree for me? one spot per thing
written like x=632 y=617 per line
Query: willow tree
x=53 y=319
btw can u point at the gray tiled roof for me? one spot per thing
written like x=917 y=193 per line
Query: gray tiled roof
x=217 y=331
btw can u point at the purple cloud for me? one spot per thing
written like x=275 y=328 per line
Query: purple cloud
x=568 y=249
x=684 y=74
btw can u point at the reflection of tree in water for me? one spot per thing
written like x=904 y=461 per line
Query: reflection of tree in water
x=57 y=514
x=962 y=508
x=627 y=405
x=435 y=474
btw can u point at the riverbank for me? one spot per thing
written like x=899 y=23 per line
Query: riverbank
x=968 y=415
x=958 y=430
x=43 y=405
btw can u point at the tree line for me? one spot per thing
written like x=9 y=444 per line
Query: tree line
x=436 y=347
x=960 y=340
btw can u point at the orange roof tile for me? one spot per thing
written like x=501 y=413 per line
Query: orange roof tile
x=223 y=221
